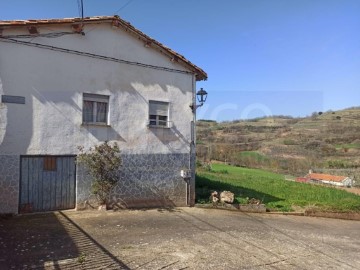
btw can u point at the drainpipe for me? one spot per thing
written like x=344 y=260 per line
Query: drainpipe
x=191 y=181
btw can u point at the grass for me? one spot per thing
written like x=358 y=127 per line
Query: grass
x=272 y=189
x=253 y=155
x=348 y=146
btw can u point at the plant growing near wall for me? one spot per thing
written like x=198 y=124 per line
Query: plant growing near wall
x=103 y=163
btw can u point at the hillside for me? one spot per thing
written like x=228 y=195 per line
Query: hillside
x=272 y=190
x=324 y=142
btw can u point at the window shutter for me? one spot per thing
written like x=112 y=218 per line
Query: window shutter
x=94 y=97
x=158 y=108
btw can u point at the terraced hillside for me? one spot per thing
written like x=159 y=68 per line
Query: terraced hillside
x=324 y=141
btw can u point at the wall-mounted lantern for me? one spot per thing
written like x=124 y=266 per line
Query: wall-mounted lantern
x=201 y=96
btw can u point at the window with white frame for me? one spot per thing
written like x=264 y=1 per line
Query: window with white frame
x=158 y=113
x=95 y=109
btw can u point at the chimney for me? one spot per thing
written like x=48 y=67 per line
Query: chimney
x=310 y=171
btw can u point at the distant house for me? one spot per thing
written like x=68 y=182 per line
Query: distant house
x=320 y=178
x=75 y=82
x=302 y=179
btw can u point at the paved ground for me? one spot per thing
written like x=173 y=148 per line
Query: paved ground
x=184 y=238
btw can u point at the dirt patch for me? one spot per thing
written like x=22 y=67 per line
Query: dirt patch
x=351 y=190
x=349 y=216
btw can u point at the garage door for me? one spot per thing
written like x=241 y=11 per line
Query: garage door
x=47 y=183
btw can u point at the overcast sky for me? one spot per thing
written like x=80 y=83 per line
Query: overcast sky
x=263 y=57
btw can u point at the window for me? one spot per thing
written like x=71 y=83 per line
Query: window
x=158 y=113
x=95 y=109
x=49 y=164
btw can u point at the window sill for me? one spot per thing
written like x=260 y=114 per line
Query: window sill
x=162 y=127
x=95 y=124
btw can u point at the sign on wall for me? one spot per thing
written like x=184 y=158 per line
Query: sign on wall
x=12 y=99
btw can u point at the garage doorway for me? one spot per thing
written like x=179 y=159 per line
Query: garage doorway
x=47 y=183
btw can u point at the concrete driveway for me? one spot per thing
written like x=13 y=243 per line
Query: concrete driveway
x=182 y=238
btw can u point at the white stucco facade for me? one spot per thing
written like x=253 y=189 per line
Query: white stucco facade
x=53 y=82
x=347 y=182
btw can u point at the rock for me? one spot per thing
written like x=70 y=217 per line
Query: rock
x=102 y=207
x=254 y=201
x=214 y=197
x=227 y=197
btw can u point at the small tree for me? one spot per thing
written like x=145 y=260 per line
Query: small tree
x=103 y=162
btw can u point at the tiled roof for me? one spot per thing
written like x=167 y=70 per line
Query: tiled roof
x=118 y=22
x=327 y=177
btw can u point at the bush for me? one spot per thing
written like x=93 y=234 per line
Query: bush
x=313 y=145
x=336 y=164
x=103 y=162
x=206 y=120
x=290 y=142
x=198 y=163
x=208 y=167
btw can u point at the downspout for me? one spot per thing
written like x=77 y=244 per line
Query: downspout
x=192 y=158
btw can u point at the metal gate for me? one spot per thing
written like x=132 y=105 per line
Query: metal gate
x=47 y=183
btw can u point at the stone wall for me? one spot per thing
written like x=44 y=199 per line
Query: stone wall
x=9 y=184
x=146 y=180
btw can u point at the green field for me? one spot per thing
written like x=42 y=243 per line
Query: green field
x=271 y=189
x=253 y=155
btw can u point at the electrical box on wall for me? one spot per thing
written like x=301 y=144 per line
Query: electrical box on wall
x=185 y=173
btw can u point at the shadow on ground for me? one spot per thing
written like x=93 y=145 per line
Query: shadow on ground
x=51 y=241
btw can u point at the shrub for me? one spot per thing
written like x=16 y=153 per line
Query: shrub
x=198 y=163
x=207 y=167
x=103 y=162
x=206 y=120
x=289 y=142
x=336 y=164
x=313 y=144
x=328 y=149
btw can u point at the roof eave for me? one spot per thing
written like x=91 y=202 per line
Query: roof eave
x=200 y=74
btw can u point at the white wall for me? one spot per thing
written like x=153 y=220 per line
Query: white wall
x=347 y=182
x=53 y=82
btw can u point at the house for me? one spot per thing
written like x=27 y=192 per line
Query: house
x=320 y=178
x=301 y=179
x=75 y=82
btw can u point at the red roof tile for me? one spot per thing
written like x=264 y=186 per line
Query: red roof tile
x=118 y=22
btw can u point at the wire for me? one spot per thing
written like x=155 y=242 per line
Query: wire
x=82 y=9
x=124 y=6
x=96 y=56
x=79 y=7
x=48 y=35
x=121 y=8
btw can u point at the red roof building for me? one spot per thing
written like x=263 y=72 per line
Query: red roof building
x=328 y=179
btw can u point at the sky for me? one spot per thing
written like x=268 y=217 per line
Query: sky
x=263 y=57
